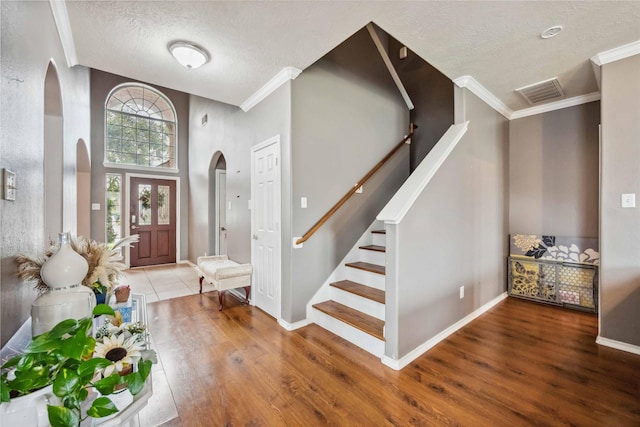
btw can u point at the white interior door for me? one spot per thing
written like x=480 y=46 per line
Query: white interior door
x=265 y=223
x=221 y=212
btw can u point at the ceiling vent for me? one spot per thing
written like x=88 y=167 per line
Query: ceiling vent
x=547 y=90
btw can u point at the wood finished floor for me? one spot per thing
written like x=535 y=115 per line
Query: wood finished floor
x=520 y=364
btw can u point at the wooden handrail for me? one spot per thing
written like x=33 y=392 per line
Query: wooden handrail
x=351 y=192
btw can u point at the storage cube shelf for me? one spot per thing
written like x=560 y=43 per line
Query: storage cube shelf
x=561 y=283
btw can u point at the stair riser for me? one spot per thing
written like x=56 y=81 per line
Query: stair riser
x=365 y=277
x=349 y=333
x=372 y=257
x=359 y=303
x=379 y=239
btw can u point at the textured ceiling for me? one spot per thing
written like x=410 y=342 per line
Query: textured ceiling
x=498 y=43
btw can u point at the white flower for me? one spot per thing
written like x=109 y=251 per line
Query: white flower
x=122 y=353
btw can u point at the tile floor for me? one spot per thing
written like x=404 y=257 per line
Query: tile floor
x=163 y=282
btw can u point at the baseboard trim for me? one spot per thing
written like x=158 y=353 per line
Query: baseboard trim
x=398 y=364
x=295 y=325
x=186 y=261
x=618 y=345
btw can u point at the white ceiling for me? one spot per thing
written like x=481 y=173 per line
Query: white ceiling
x=497 y=42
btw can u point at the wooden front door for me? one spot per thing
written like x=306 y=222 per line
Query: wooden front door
x=153 y=218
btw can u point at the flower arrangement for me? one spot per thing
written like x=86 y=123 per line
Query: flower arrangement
x=104 y=268
x=75 y=363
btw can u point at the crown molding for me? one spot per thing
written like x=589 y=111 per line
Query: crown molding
x=557 y=105
x=286 y=74
x=617 y=53
x=61 y=17
x=483 y=93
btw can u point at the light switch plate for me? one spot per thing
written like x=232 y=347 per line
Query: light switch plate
x=95 y=206
x=628 y=200
x=303 y=202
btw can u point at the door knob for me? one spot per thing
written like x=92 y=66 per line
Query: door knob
x=255 y=237
x=223 y=229
x=133 y=227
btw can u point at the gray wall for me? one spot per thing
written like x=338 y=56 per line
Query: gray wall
x=29 y=41
x=232 y=132
x=553 y=172
x=101 y=84
x=454 y=235
x=346 y=115
x=620 y=227
x=432 y=95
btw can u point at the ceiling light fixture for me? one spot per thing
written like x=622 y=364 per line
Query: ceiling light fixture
x=188 y=54
x=551 y=32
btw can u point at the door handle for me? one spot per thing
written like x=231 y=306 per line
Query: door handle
x=133 y=227
x=255 y=237
x=223 y=229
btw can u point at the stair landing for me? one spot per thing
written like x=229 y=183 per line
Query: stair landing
x=358 y=320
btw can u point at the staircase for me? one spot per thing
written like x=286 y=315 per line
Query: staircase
x=356 y=310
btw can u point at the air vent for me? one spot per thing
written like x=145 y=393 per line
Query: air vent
x=547 y=90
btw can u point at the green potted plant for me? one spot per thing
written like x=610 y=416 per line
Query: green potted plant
x=74 y=364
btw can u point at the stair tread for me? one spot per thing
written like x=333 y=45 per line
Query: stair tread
x=374 y=268
x=364 y=291
x=379 y=231
x=376 y=248
x=355 y=318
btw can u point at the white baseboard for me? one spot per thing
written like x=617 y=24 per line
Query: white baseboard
x=398 y=364
x=293 y=326
x=186 y=261
x=618 y=345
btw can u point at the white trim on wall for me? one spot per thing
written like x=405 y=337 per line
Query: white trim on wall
x=617 y=53
x=127 y=213
x=286 y=74
x=618 y=345
x=398 y=364
x=557 y=105
x=61 y=18
x=483 y=93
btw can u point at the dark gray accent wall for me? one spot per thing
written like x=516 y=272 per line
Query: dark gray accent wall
x=346 y=115
x=29 y=42
x=554 y=172
x=620 y=227
x=101 y=85
x=454 y=235
x=432 y=95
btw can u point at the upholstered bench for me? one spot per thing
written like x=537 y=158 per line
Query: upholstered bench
x=224 y=274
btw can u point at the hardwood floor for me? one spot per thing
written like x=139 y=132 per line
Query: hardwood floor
x=520 y=364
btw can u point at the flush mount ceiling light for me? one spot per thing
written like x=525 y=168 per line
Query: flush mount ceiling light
x=551 y=32
x=188 y=54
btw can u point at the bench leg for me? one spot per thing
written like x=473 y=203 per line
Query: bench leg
x=201 y=284
x=221 y=299
x=246 y=293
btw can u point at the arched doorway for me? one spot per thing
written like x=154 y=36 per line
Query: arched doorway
x=217 y=204
x=83 y=188
x=53 y=155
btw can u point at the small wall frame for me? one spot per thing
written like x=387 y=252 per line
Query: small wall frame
x=8 y=184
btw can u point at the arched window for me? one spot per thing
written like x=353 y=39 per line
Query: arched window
x=140 y=128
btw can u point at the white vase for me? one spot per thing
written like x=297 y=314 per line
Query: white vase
x=66 y=297
x=28 y=410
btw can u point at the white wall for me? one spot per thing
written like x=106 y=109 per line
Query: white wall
x=29 y=42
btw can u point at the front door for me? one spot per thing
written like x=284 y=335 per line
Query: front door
x=153 y=217
x=265 y=189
